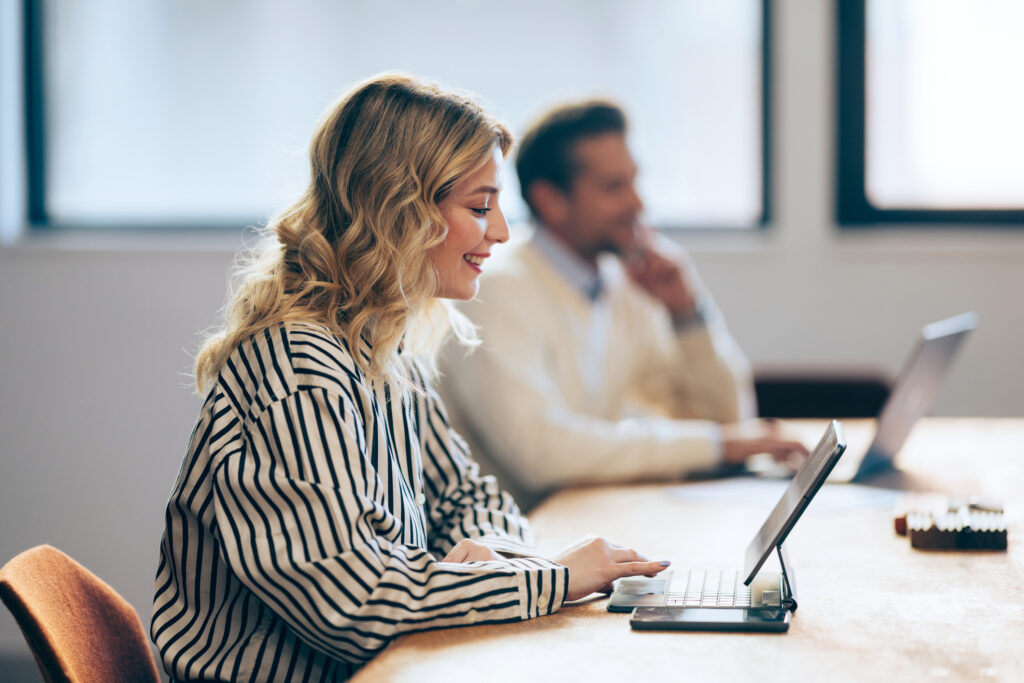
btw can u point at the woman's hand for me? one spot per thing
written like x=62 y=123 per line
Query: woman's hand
x=471 y=551
x=594 y=563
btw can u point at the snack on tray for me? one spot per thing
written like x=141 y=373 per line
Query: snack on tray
x=970 y=524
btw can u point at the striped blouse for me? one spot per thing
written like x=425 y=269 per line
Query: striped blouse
x=306 y=525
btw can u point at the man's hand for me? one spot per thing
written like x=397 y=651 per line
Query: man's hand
x=471 y=551
x=594 y=563
x=664 y=271
x=744 y=439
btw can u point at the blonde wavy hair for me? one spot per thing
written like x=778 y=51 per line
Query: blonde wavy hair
x=351 y=253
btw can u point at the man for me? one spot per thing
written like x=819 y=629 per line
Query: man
x=603 y=357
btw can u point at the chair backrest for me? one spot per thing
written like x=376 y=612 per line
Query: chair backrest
x=78 y=627
x=810 y=395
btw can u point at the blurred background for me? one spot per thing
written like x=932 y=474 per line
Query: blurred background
x=843 y=172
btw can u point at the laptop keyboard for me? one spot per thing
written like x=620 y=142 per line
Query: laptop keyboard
x=707 y=588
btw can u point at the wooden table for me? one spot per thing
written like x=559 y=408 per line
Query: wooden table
x=871 y=608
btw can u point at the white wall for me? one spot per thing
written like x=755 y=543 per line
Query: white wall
x=96 y=412
x=95 y=409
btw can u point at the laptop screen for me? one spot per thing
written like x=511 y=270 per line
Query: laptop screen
x=918 y=383
x=795 y=499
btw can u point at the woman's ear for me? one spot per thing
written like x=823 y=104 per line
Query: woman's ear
x=549 y=202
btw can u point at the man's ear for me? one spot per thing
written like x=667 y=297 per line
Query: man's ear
x=550 y=203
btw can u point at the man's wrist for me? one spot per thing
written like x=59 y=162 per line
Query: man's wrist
x=718 y=445
x=696 y=317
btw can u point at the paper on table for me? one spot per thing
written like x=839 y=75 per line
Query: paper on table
x=765 y=493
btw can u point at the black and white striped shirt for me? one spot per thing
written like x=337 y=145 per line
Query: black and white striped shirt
x=304 y=530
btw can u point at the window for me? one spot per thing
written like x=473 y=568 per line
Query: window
x=198 y=113
x=929 y=111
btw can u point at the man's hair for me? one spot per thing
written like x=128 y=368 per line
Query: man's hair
x=546 y=150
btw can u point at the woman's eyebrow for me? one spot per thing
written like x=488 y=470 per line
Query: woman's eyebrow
x=488 y=189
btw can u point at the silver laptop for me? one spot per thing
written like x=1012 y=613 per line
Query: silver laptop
x=751 y=600
x=911 y=398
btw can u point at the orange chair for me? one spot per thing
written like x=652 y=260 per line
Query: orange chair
x=78 y=627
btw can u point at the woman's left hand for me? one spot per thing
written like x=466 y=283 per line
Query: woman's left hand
x=471 y=551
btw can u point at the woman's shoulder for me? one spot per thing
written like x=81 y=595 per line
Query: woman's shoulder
x=286 y=358
x=318 y=356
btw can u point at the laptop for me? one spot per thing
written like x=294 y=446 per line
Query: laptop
x=751 y=600
x=911 y=398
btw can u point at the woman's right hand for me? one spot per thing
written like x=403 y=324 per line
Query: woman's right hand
x=594 y=563
x=467 y=550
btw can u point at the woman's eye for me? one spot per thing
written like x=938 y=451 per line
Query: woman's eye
x=480 y=212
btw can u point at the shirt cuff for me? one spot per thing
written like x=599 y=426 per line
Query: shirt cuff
x=543 y=586
x=717 y=447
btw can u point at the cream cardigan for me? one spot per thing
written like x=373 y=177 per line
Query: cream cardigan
x=564 y=390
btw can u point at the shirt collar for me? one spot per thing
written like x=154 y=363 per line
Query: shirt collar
x=578 y=273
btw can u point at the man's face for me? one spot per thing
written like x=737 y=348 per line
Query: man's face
x=603 y=207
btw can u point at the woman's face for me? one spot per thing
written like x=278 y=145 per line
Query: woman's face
x=475 y=224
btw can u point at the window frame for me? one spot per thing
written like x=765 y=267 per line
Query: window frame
x=854 y=210
x=766 y=116
x=34 y=116
x=35 y=105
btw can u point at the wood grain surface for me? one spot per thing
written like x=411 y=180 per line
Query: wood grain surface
x=871 y=608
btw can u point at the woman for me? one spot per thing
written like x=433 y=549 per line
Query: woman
x=324 y=505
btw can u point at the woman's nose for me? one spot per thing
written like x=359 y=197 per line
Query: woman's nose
x=497 y=227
